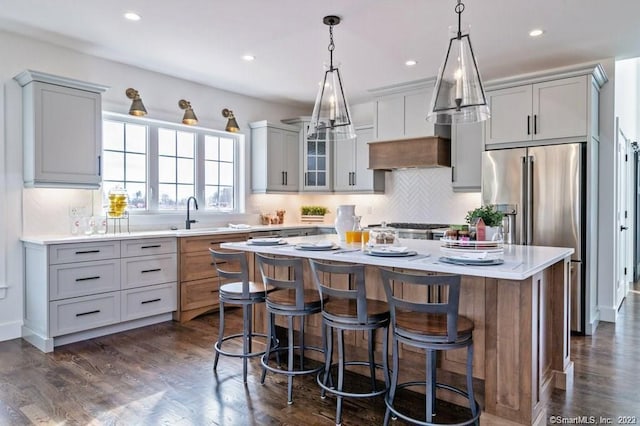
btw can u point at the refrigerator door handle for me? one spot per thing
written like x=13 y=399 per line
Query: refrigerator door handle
x=529 y=213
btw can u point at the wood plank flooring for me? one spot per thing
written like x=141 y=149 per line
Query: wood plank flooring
x=162 y=375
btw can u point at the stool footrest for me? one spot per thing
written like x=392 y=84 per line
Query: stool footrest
x=263 y=361
x=335 y=391
x=397 y=413
x=216 y=346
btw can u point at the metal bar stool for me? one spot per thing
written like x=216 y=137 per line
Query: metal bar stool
x=434 y=326
x=234 y=266
x=291 y=300
x=349 y=309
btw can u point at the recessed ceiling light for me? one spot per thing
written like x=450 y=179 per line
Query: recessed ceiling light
x=248 y=58
x=535 y=33
x=410 y=62
x=132 y=16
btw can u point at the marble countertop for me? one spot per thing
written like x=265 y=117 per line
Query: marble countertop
x=196 y=231
x=520 y=262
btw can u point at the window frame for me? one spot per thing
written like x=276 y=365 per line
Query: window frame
x=152 y=177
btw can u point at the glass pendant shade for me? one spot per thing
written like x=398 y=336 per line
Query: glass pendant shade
x=331 y=118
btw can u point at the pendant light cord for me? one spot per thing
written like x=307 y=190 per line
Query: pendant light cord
x=459 y=9
x=331 y=47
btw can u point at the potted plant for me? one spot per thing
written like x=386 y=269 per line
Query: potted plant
x=311 y=214
x=491 y=217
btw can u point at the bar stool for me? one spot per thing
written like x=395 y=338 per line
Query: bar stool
x=234 y=266
x=349 y=309
x=291 y=300
x=434 y=326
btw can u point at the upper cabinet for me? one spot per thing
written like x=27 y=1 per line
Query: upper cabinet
x=551 y=106
x=466 y=157
x=274 y=157
x=62 y=131
x=351 y=173
x=315 y=159
x=400 y=111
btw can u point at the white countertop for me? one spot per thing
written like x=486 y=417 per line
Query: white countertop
x=520 y=262
x=61 y=239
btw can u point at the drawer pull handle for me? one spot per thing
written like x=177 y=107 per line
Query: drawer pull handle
x=97 y=277
x=150 y=301
x=88 y=313
x=151 y=270
x=88 y=252
x=153 y=246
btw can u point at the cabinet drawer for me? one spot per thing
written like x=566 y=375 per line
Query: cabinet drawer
x=203 y=243
x=197 y=266
x=149 y=246
x=147 y=301
x=149 y=270
x=80 y=252
x=198 y=294
x=82 y=279
x=83 y=313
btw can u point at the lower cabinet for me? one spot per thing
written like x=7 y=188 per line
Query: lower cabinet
x=199 y=282
x=76 y=291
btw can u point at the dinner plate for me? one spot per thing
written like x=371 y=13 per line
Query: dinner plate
x=391 y=253
x=472 y=262
x=316 y=248
x=266 y=242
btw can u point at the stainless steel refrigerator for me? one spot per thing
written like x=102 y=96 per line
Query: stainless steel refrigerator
x=547 y=186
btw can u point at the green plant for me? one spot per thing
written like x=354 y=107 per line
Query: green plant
x=314 y=210
x=488 y=213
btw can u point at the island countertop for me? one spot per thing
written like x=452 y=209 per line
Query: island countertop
x=520 y=262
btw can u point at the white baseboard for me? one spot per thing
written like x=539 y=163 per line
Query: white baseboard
x=10 y=330
x=608 y=313
x=590 y=327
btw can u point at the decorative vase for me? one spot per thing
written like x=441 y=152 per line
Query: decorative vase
x=345 y=219
x=493 y=233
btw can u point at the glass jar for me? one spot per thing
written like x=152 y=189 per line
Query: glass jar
x=382 y=236
x=118 y=201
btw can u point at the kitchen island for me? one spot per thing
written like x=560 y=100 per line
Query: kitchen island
x=520 y=311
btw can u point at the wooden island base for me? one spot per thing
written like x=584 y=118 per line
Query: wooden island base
x=521 y=341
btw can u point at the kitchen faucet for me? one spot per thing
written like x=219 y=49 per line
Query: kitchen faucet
x=189 y=221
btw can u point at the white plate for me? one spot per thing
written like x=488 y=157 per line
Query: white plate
x=266 y=241
x=312 y=247
x=472 y=262
x=391 y=253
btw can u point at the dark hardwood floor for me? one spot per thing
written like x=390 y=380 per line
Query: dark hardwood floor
x=162 y=375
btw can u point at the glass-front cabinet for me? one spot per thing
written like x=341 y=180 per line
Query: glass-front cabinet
x=316 y=158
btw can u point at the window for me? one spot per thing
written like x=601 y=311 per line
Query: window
x=162 y=164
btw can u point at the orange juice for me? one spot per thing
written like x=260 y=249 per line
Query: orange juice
x=353 y=237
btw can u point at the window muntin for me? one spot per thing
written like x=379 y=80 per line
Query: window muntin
x=161 y=164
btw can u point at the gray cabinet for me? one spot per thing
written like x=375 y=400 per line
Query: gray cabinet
x=62 y=131
x=316 y=158
x=351 y=173
x=466 y=157
x=76 y=291
x=401 y=111
x=274 y=157
x=553 y=109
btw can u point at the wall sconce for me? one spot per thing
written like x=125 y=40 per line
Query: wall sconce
x=137 y=107
x=232 y=124
x=189 y=116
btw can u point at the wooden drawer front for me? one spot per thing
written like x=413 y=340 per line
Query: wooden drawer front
x=201 y=244
x=196 y=266
x=147 y=301
x=149 y=246
x=82 y=279
x=83 y=313
x=80 y=252
x=149 y=270
x=198 y=294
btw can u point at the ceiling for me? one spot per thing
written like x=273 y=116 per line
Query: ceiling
x=204 y=40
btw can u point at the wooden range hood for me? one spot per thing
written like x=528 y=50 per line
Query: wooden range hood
x=429 y=151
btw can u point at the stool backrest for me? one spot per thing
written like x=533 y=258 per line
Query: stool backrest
x=441 y=294
x=355 y=281
x=271 y=269
x=233 y=266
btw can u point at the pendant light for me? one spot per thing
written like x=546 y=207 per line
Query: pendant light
x=459 y=96
x=331 y=119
